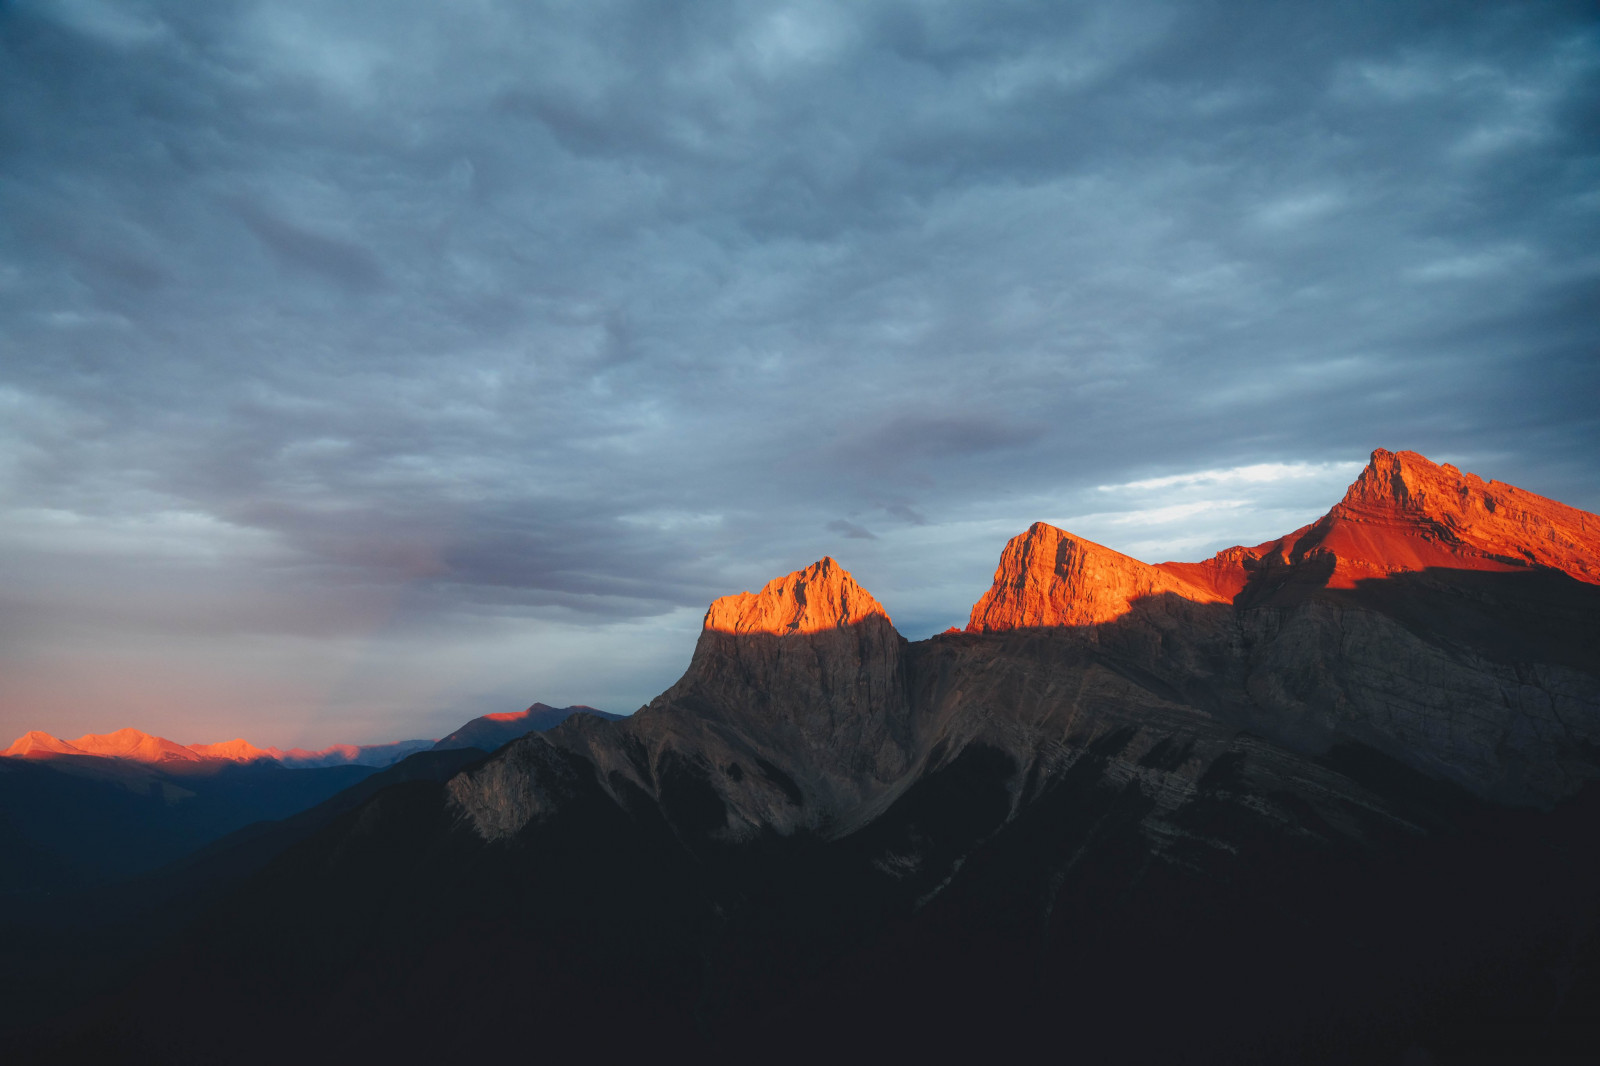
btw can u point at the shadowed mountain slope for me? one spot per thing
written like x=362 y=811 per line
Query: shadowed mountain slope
x=490 y=731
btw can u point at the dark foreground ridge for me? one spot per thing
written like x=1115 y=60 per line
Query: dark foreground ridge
x=1330 y=798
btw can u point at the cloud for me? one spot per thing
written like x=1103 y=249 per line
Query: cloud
x=299 y=248
x=388 y=327
x=851 y=530
x=1255 y=473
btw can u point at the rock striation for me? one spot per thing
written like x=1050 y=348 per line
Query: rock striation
x=1419 y=514
x=1405 y=514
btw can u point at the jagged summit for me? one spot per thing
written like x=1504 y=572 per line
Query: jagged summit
x=1403 y=513
x=1463 y=517
x=821 y=597
x=1048 y=577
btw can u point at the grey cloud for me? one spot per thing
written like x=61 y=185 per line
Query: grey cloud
x=905 y=513
x=850 y=530
x=299 y=248
x=578 y=316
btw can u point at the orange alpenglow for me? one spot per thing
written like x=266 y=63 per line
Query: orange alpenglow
x=821 y=597
x=1406 y=513
x=1048 y=577
x=135 y=745
x=1402 y=514
x=138 y=746
x=38 y=745
x=239 y=750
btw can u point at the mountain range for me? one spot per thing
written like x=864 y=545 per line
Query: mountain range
x=106 y=806
x=139 y=746
x=1327 y=798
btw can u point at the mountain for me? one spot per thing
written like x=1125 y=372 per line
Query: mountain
x=109 y=806
x=138 y=746
x=374 y=755
x=105 y=857
x=1331 y=798
x=239 y=750
x=34 y=744
x=123 y=744
x=491 y=731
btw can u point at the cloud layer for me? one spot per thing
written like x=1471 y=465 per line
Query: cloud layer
x=366 y=366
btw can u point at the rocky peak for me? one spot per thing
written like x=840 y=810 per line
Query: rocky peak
x=1048 y=577
x=1407 y=513
x=1403 y=505
x=821 y=597
x=1408 y=483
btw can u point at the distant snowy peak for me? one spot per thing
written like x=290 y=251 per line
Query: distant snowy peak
x=135 y=745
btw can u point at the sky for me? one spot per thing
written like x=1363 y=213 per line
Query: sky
x=366 y=367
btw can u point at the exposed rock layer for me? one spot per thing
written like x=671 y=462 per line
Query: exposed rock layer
x=821 y=597
x=1407 y=514
x=1048 y=577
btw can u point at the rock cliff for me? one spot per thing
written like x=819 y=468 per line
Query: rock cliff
x=792 y=714
x=803 y=708
x=819 y=598
x=1048 y=577
x=1405 y=514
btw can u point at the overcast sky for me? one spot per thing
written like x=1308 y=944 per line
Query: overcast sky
x=365 y=367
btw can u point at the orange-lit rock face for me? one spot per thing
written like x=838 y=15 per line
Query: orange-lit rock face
x=821 y=597
x=1402 y=514
x=1405 y=513
x=1048 y=577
